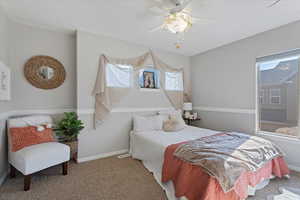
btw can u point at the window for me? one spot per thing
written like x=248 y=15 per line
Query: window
x=278 y=95
x=118 y=76
x=174 y=81
x=275 y=96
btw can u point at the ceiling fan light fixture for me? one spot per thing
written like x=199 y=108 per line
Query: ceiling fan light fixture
x=178 y=22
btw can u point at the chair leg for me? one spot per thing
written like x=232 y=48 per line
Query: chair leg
x=12 y=171
x=27 y=181
x=65 y=168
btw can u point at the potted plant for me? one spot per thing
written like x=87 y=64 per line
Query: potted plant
x=67 y=129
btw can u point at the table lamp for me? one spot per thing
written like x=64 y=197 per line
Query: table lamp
x=187 y=107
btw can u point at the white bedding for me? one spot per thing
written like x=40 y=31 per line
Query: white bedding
x=149 y=147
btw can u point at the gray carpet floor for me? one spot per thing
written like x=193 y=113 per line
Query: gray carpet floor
x=272 y=188
x=104 y=179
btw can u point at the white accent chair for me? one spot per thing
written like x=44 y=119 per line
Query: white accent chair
x=37 y=157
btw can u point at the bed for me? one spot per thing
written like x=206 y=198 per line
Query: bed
x=150 y=146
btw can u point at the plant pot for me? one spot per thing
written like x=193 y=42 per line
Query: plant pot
x=73 y=149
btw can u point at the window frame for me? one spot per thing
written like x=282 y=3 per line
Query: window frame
x=180 y=80
x=262 y=97
x=258 y=105
x=130 y=69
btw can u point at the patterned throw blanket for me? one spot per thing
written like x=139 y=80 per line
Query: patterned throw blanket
x=227 y=155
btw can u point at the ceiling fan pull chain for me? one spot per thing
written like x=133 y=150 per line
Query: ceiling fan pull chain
x=179 y=40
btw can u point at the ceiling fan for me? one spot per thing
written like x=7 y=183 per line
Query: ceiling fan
x=177 y=18
x=172 y=6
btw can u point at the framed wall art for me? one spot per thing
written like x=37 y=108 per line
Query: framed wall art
x=44 y=72
x=4 y=82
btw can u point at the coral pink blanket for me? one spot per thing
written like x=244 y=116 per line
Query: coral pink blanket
x=192 y=182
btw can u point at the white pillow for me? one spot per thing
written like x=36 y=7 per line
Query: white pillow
x=147 y=123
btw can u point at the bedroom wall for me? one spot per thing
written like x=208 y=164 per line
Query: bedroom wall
x=3 y=47
x=25 y=41
x=3 y=35
x=223 y=83
x=4 y=106
x=113 y=135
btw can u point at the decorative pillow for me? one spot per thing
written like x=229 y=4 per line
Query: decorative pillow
x=42 y=127
x=175 y=123
x=49 y=125
x=21 y=137
x=176 y=116
x=147 y=123
x=165 y=115
x=172 y=126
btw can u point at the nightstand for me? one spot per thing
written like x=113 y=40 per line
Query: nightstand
x=190 y=121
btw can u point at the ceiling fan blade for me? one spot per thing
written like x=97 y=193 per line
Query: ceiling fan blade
x=155 y=3
x=156 y=28
x=187 y=10
x=198 y=20
x=152 y=9
x=180 y=7
x=274 y=3
x=158 y=11
x=146 y=15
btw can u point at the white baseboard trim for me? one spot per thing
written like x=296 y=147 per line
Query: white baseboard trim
x=294 y=168
x=102 y=155
x=227 y=110
x=3 y=177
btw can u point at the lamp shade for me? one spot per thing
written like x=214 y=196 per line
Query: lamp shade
x=187 y=106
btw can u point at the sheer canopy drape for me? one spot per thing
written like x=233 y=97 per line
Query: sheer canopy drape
x=106 y=97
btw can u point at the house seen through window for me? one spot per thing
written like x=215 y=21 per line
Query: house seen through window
x=278 y=98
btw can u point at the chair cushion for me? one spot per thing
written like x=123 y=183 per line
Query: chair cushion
x=40 y=156
x=25 y=136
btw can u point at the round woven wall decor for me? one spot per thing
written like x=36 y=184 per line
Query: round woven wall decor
x=44 y=72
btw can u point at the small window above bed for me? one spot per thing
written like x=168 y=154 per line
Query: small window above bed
x=174 y=81
x=119 y=76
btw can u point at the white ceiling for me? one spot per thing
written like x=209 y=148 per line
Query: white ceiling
x=130 y=20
